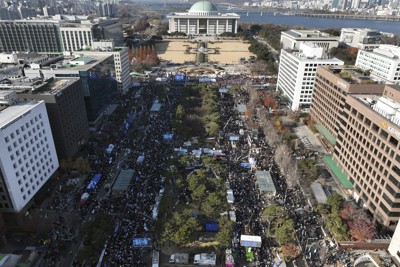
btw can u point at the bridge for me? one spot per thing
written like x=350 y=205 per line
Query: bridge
x=346 y=16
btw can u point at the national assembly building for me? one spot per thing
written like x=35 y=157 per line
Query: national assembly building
x=203 y=18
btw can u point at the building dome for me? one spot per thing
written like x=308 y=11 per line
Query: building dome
x=203 y=8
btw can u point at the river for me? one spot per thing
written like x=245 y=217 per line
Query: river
x=310 y=22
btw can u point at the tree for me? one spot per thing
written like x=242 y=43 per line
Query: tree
x=284 y=233
x=180 y=113
x=212 y=128
x=214 y=204
x=271 y=212
x=290 y=251
x=322 y=208
x=338 y=228
x=362 y=229
x=199 y=193
x=335 y=201
x=269 y=102
x=349 y=212
x=182 y=228
x=224 y=235
x=309 y=168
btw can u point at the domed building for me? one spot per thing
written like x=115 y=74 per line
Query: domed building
x=203 y=18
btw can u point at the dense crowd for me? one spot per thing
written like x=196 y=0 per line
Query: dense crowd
x=135 y=132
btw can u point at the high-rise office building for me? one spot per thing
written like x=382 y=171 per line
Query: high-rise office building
x=332 y=85
x=394 y=246
x=97 y=78
x=56 y=35
x=30 y=36
x=106 y=9
x=28 y=156
x=297 y=71
x=368 y=151
x=383 y=63
x=65 y=106
x=121 y=61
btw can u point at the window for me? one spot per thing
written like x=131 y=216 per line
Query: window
x=383 y=134
x=375 y=127
x=393 y=141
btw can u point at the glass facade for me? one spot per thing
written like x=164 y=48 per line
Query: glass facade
x=99 y=87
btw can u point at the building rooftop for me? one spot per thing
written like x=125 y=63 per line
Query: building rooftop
x=80 y=63
x=309 y=34
x=389 y=51
x=203 y=6
x=382 y=105
x=264 y=182
x=366 y=30
x=12 y=113
x=351 y=74
x=36 y=86
x=84 y=60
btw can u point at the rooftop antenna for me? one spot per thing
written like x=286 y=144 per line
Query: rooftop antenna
x=165 y=4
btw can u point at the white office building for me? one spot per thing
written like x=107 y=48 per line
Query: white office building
x=365 y=39
x=297 y=70
x=203 y=18
x=27 y=153
x=293 y=38
x=394 y=246
x=383 y=62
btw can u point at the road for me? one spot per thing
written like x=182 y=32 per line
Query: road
x=275 y=53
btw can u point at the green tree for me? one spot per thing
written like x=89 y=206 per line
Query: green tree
x=322 y=208
x=224 y=235
x=338 y=228
x=199 y=193
x=212 y=128
x=182 y=228
x=196 y=179
x=214 y=204
x=308 y=167
x=284 y=233
x=271 y=212
x=335 y=201
x=180 y=113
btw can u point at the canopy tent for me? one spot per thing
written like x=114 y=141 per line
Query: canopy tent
x=250 y=241
x=123 y=180
x=241 y=108
x=319 y=192
x=265 y=182
x=155 y=107
x=168 y=136
x=137 y=74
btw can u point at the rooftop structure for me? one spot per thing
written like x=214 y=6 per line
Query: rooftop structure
x=293 y=38
x=123 y=180
x=265 y=183
x=364 y=39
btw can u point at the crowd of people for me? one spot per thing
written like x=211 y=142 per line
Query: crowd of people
x=135 y=132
